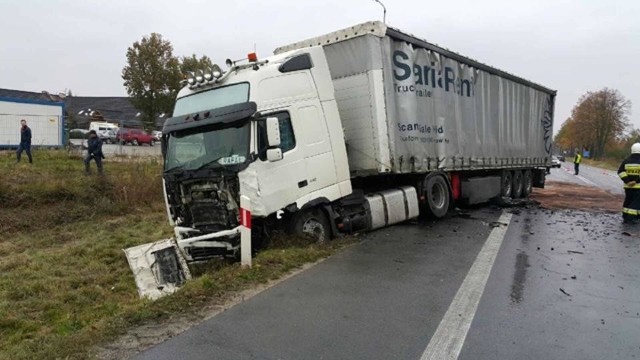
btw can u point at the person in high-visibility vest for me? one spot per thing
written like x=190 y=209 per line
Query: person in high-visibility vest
x=576 y=161
x=629 y=172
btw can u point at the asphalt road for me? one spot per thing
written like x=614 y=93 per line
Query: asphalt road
x=125 y=150
x=589 y=176
x=521 y=283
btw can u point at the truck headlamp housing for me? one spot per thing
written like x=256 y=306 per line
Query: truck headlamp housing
x=200 y=76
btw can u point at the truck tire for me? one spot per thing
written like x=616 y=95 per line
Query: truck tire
x=437 y=195
x=527 y=183
x=516 y=189
x=312 y=223
x=507 y=185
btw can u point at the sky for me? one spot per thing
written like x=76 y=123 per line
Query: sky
x=567 y=45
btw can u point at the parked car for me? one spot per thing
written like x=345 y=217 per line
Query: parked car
x=134 y=137
x=561 y=158
x=108 y=136
x=78 y=134
x=555 y=162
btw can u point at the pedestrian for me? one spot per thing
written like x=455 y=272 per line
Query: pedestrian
x=25 y=141
x=94 y=151
x=576 y=161
x=629 y=172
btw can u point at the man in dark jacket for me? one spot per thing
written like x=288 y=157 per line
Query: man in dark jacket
x=94 y=151
x=25 y=141
x=629 y=172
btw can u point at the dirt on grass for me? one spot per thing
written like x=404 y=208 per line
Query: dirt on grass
x=561 y=195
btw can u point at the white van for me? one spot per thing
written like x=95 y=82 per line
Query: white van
x=103 y=127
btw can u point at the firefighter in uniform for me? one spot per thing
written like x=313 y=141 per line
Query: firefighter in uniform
x=629 y=172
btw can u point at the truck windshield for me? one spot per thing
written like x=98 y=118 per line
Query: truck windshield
x=209 y=148
x=212 y=99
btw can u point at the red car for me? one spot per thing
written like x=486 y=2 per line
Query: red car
x=133 y=137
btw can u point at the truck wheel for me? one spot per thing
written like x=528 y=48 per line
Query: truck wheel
x=527 y=183
x=516 y=189
x=437 y=194
x=312 y=223
x=507 y=186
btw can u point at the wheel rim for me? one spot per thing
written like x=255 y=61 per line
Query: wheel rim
x=507 y=186
x=437 y=196
x=518 y=188
x=528 y=183
x=313 y=228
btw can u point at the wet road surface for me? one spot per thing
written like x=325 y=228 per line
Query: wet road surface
x=589 y=176
x=564 y=285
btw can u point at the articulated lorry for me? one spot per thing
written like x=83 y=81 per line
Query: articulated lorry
x=355 y=130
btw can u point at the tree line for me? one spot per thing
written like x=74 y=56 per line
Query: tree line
x=599 y=122
x=152 y=76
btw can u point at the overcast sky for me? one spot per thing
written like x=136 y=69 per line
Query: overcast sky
x=571 y=46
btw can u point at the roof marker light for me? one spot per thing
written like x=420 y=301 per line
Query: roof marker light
x=253 y=57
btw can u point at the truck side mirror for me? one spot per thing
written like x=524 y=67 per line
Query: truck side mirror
x=273 y=132
x=274 y=154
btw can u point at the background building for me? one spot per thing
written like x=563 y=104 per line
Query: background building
x=44 y=115
x=50 y=116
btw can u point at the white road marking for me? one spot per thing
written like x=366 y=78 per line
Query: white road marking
x=447 y=341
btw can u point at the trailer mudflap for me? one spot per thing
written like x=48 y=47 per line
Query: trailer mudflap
x=159 y=268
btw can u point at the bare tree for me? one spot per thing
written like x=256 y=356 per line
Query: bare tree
x=598 y=119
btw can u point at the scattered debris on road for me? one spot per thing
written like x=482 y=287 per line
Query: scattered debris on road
x=561 y=195
x=574 y=252
x=564 y=292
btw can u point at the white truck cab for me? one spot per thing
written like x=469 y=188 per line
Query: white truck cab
x=266 y=129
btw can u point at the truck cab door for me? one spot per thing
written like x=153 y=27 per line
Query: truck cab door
x=280 y=181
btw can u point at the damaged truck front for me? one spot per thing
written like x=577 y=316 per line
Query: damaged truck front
x=204 y=150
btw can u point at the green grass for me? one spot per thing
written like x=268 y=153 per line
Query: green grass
x=609 y=164
x=65 y=284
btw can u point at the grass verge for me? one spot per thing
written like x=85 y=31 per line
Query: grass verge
x=608 y=164
x=65 y=285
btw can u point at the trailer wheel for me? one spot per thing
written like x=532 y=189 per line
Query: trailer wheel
x=507 y=186
x=516 y=190
x=527 y=183
x=312 y=223
x=437 y=194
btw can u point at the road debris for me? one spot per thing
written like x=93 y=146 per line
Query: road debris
x=561 y=195
x=564 y=292
x=575 y=252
